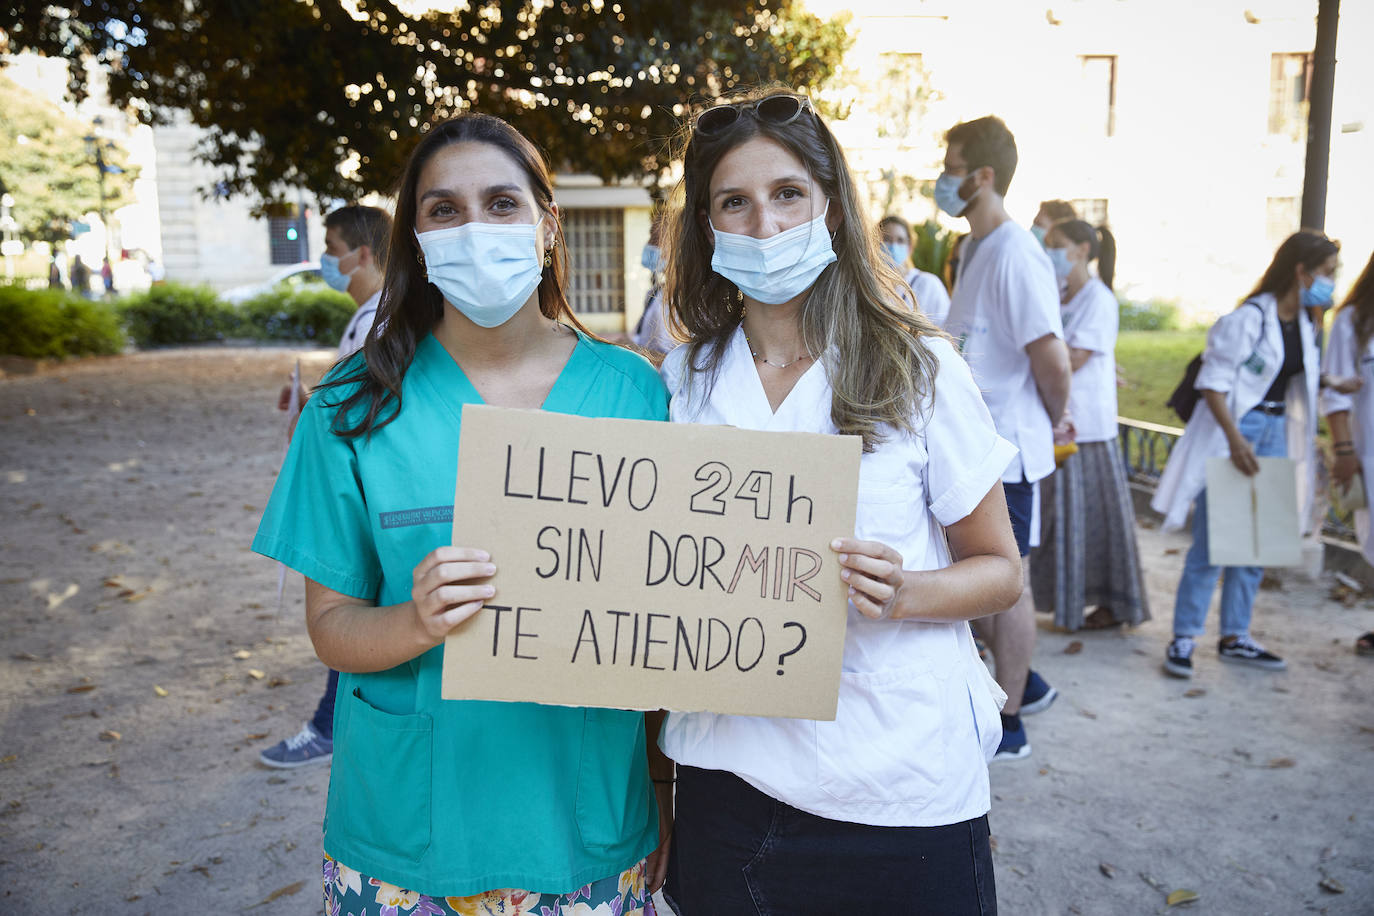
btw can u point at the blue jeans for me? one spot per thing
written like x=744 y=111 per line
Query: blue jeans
x=739 y=852
x=1267 y=435
x=323 y=720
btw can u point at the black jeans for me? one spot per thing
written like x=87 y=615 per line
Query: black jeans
x=738 y=852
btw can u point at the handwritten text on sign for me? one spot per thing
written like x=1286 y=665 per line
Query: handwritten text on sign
x=653 y=565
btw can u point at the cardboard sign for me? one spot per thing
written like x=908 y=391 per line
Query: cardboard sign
x=1253 y=521
x=653 y=565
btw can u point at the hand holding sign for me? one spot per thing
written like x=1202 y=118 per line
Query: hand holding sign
x=450 y=586
x=874 y=574
x=653 y=565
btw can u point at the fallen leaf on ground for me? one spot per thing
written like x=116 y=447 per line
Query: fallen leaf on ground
x=284 y=891
x=1331 y=885
x=1181 y=896
x=1087 y=714
x=1108 y=870
x=9 y=758
x=1074 y=647
x=255 y=674
x=25 y=657
x=81 y=688
x=256 y=736
x=242 y=654
x=1195 y=692
x=1152 y=881
x=110 y=734
x=160 y=691
x=1282 y=763
x=1170 y=551
x=279 y=681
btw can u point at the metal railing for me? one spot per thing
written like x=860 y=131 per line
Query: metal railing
x=1145 y=448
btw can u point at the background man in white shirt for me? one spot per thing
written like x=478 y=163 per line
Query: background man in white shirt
x=355 y=243
x=1005 y=315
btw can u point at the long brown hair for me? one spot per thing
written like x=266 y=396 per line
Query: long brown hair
x=1308 y=247
x=855 y=317
x=1361 y=299
x=411 y=306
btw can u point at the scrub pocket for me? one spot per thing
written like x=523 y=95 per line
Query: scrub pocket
x=612 y=806
x=887 y=742
x=380 y=779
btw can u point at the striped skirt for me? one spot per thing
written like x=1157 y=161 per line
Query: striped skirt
x=1088 y=556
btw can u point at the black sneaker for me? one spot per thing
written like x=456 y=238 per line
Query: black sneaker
x=1178 y=658
x=1246 y=651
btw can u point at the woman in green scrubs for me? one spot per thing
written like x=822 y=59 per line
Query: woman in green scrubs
x=442 y=806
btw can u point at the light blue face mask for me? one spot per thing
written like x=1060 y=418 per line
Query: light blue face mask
x=487 y=271
x=1039 y=233
x=330 y=273
x=1059 y=257
x=947 y=193
x=652 y=258
x=776 y=269
x=1319 y=291
x=897 y=252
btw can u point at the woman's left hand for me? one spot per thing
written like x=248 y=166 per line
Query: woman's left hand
x=873 y=572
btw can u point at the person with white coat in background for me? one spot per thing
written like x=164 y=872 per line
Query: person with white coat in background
x=931 y=295
x=1348 y=403
x=1088 y=556
x=1258 y=383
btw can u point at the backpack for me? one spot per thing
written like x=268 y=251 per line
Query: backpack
x=1185 y=397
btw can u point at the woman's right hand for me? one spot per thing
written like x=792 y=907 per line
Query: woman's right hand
x=445 y=593
x=1344 y=468
x=1243 y=456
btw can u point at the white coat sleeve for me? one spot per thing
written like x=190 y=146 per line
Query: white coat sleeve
x=965 y=457
x=1340 y=360
x=1229 y=343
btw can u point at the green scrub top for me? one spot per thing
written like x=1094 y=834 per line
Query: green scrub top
x=455 y=797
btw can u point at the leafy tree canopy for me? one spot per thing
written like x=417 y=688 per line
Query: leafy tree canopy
x=330 y=94
x=50 y=169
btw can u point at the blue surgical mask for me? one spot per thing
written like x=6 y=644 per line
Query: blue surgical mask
x=487 y=271
x=1039 y=233
x=775 y=269
x=897 y=252
x=1318 y=293
x=1059 y=257
x=947 y=193
x=652 y=258
x=330 y=273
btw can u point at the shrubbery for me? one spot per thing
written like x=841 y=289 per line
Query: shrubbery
x=52 y=324
x=315 y=313
x=170 y=314
x=1154 y=315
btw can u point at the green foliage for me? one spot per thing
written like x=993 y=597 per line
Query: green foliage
x=53 y=324
x=931 y=247
x=45 y=164
x=599 y=86
x=1154 y=315
x=171 y=314
x=1151 y=364
x=314 y=313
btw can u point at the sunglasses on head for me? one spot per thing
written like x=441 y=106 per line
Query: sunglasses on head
x=775 y=109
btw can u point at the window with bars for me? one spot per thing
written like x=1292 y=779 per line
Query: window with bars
x=1091 y=209
x=286 y=237
x=1099 y=84
x=1290 y=81
x=596 y=256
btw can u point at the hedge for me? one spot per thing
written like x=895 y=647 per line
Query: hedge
x=53 y=324
x=170 y=314
x=315 y=313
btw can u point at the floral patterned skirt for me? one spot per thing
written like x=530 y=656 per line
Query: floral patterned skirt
x=350 y=893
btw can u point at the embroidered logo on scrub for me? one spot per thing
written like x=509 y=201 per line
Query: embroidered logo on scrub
x=1255 y=364
x=407 y=518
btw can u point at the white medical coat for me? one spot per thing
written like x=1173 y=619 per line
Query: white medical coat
x=1345 y=357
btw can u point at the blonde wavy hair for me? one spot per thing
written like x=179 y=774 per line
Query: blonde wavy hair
x=868 y=337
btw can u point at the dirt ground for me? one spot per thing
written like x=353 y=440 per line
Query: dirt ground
x=145 y=663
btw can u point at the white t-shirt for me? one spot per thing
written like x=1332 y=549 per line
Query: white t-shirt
x=355 y=335
x=931 y=295
x=1007 y=298
x=917 y=719
x=1091 y=320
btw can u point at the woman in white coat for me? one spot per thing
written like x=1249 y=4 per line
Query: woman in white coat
x=1348 y=403
x=929 y=290
x=1258 y=383
x=796 y=321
